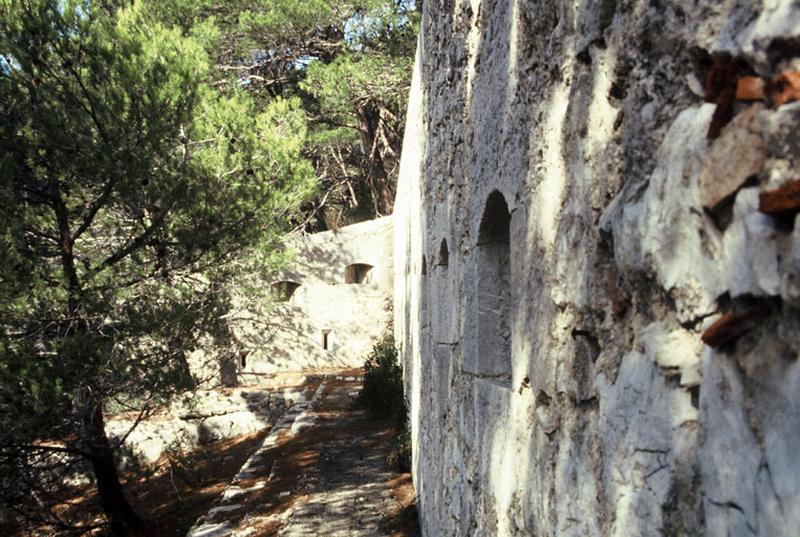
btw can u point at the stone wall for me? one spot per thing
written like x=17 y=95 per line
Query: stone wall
x=597 y=180
x=200 y=418
x=318 y=319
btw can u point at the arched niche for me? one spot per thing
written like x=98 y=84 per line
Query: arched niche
x=442 y=302
x=358 y=273
x=444 y=254
x=283 y=291
x=494 y=290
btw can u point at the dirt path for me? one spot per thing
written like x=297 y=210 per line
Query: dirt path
x=321 y=471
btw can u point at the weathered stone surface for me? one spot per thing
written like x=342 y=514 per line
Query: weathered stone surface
x=764 y=30
x=735 y=156
x=211 y=530
x=325 y=322
x=616 y=419
x=782 y=134
x=790 y=286
x=751 y=250
x=223 y=509
x=674 y=348
x=662 y=230
x=645 y=456
x=758 y=429
x=150 y=439
x=203 y=417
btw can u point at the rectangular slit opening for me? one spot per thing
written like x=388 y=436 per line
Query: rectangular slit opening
x=326 y=340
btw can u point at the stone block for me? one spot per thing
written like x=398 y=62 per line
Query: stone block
x=751 y=251
x=734 y=157
x=790 y=289
x=750 y=88
x=781 y=132
x=785 y=87
x=675 y=348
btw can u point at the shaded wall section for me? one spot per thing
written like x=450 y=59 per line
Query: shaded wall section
x=632 y=185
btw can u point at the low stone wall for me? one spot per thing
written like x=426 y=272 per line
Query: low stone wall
x=202 y=418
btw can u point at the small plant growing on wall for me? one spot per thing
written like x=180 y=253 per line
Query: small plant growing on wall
x=382 y=397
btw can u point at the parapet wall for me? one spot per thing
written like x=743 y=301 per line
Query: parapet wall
x=627 y=224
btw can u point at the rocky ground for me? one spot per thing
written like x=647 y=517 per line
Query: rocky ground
x=322 y=470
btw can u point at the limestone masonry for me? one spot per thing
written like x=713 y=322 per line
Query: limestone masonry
x=589 y=191
x=333 y=303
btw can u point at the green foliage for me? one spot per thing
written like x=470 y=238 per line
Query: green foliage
x=133 y=187
x=154 y=153
x=278 y=19
x=349 y=63
x=124 y=174
x=382 y=397
x=351 y=80
x=276 y=23
x=400 y=457
x=382 y=393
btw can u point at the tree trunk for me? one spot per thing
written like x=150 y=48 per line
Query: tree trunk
x=369 y=123
x=122 y=518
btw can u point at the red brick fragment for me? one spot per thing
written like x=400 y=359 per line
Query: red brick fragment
x=721 y=89
x=721 y=77
x=750 y=88
x=785 y=87
x=783 y=201
x=727 y=328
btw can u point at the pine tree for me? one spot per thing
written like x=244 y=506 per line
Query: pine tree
x=129 y=181
x=348 y=61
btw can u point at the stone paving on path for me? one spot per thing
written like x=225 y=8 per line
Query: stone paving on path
x=351 y=494
x=340 y=486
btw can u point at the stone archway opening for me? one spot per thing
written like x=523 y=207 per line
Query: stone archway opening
x=494 y=290
x=327 y=339
x=444 y=254
x=283 y=291
x=358 y=273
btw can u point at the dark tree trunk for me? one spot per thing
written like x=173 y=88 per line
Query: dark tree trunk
x=122 y=518
x=377 y=177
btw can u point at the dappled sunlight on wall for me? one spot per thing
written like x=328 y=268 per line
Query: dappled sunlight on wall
x=333 y=302
x=591 y=120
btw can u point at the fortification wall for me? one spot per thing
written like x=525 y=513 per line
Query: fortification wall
x=335 y=314
x=590 y=406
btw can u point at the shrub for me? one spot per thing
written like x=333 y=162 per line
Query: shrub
x=400 y=457
x=382 y=393
x=382 y=397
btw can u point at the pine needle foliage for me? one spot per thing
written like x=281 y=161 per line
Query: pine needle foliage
x=348 y=61
x=131 y=186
